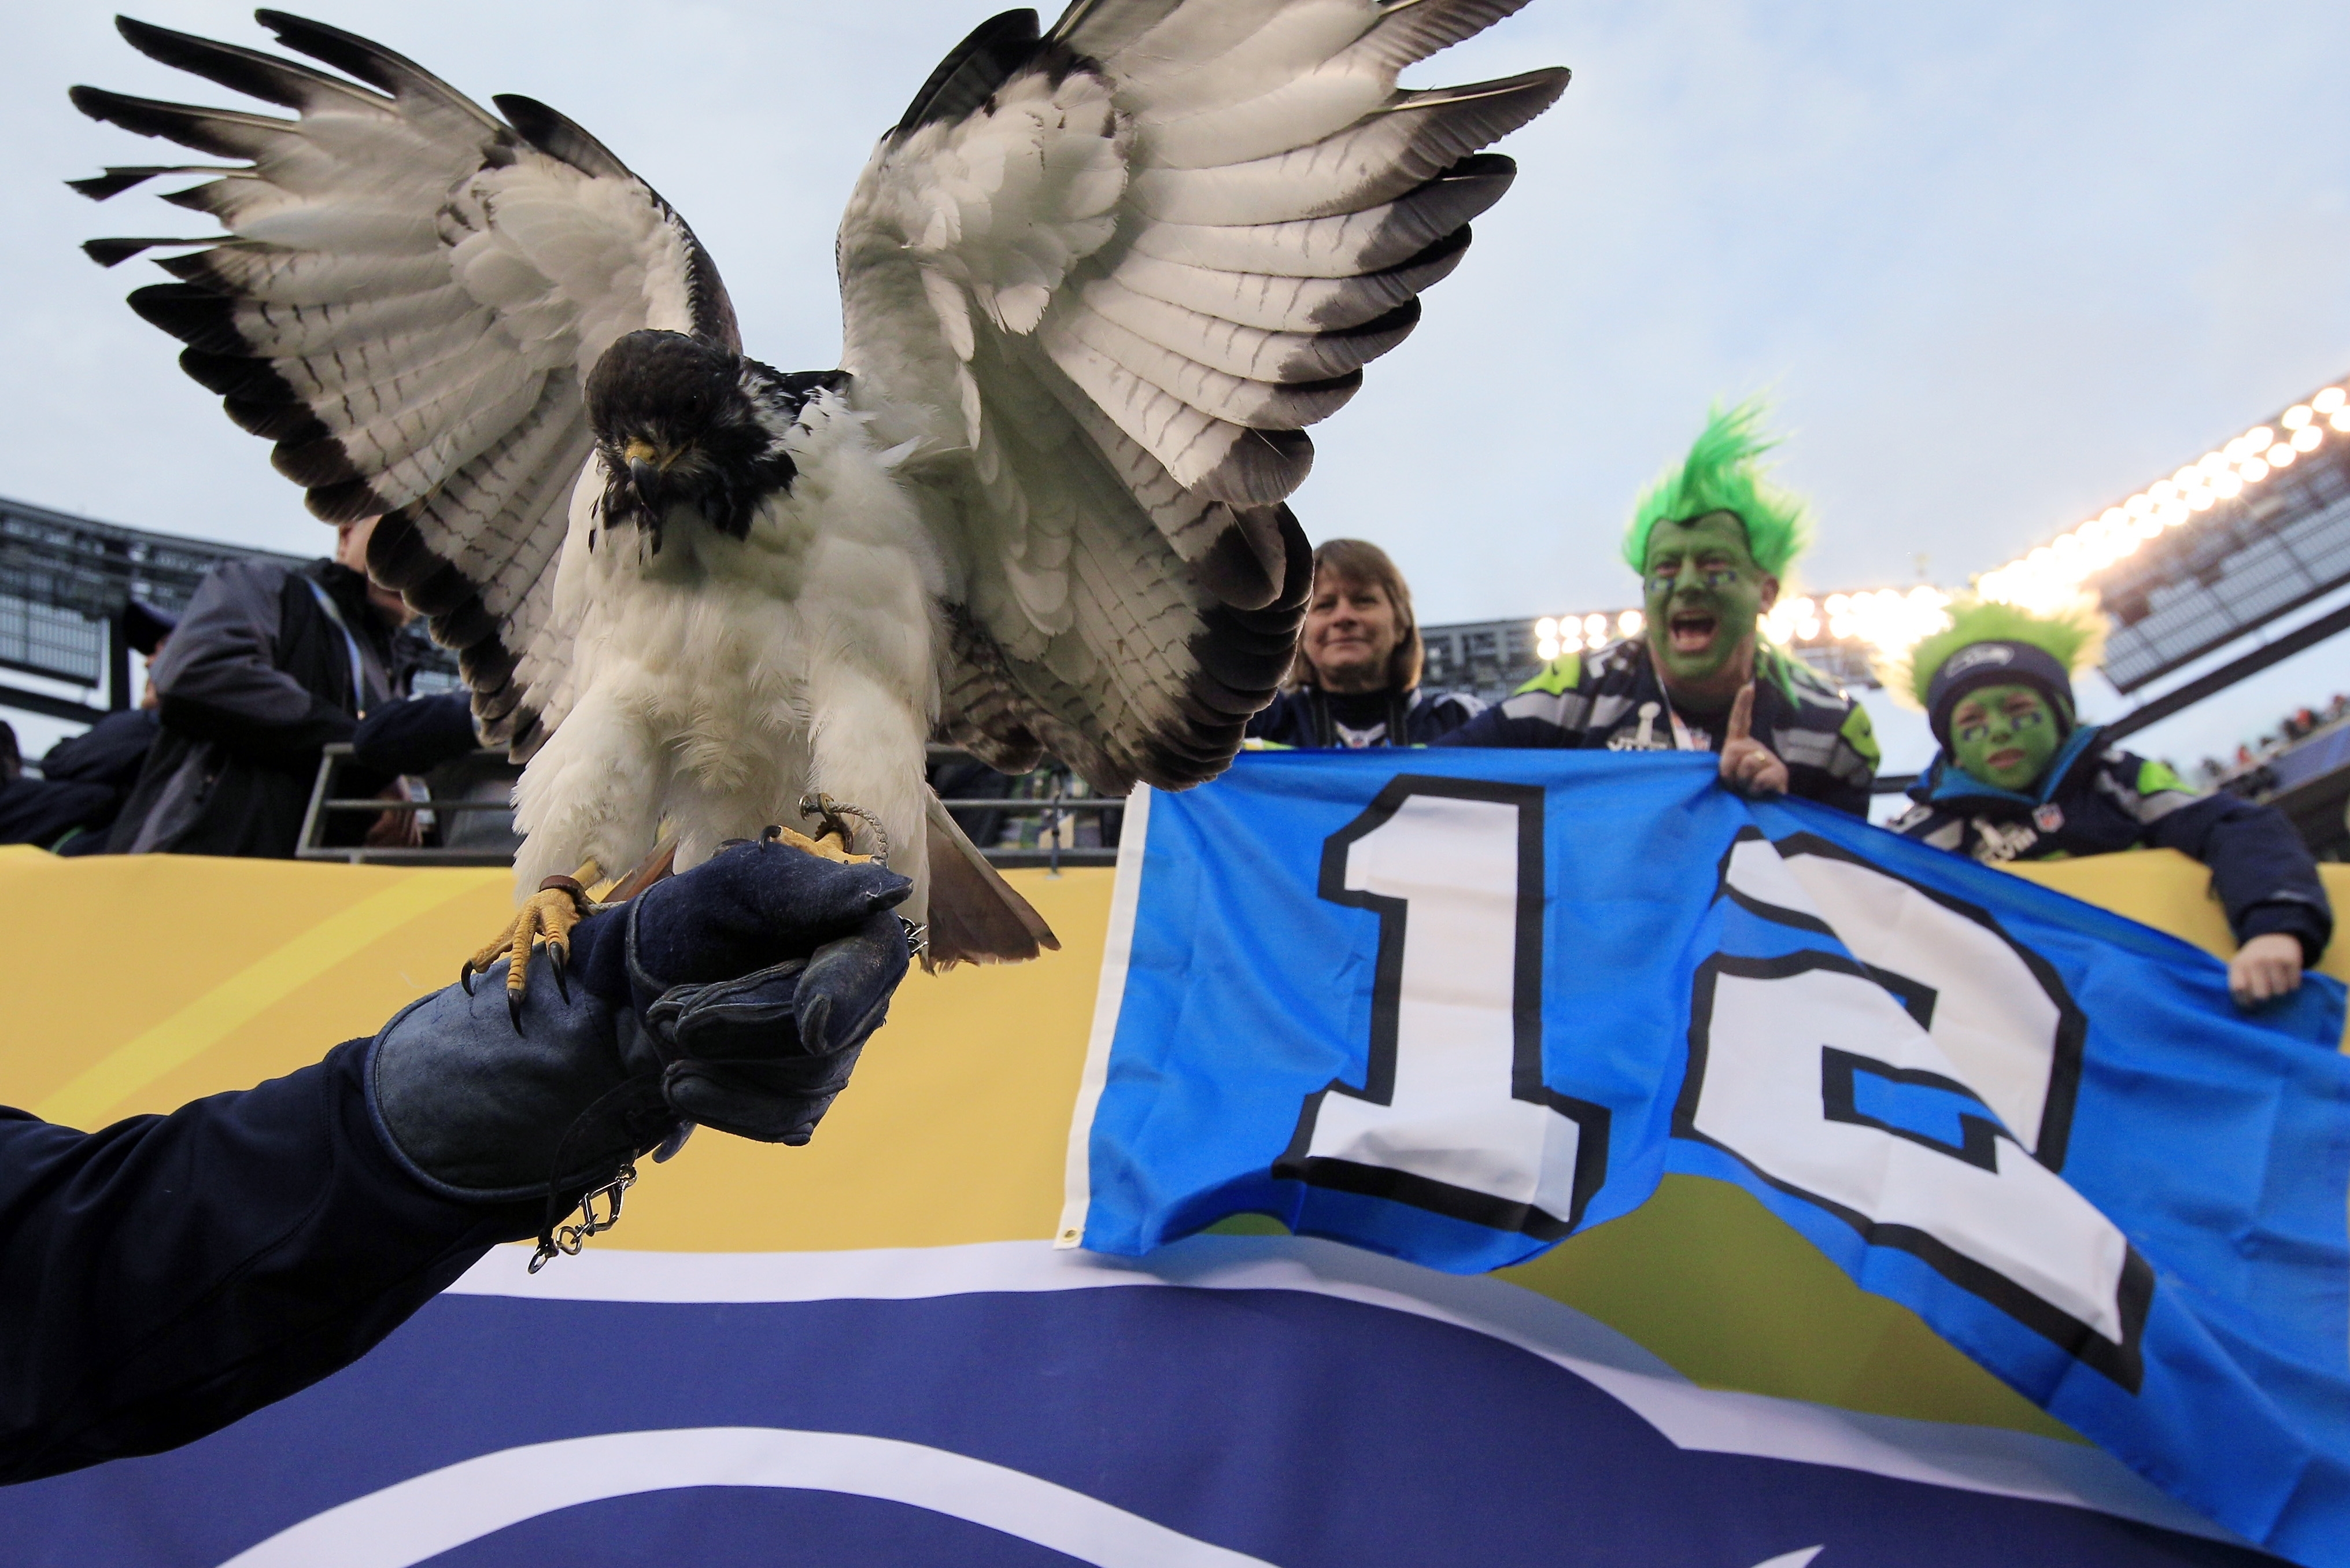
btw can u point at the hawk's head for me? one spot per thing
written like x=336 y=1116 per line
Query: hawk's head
x=677 y=419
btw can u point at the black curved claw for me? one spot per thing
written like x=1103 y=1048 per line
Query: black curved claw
x=514 y=1011
x=558 y=960
x=465 y=976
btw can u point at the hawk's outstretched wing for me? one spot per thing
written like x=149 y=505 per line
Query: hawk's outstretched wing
x=407 y=302
x=1110 y=274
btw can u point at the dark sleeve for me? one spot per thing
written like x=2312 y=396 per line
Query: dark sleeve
x=1829 y=790
x=1277 y=722
x=1530 y=719
x=219 y=680
x=42 y=811
x=1843 y=783
x=1831 y=753
x=414 y=735
x=1441 y=715
x=166 y=1275
x=2265 y=877
x=109 y=752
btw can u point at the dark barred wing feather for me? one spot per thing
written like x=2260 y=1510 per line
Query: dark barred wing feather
x=406 y=302
x=1112 y=272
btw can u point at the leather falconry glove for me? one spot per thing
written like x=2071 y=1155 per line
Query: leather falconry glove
x=737 y=995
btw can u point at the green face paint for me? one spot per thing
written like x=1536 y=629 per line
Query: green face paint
x=1702 y=593
x=2004 y=736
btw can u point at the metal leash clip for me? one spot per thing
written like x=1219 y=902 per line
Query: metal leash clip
x=568 y=1240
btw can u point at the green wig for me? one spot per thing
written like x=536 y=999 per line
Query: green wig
x=2074 y=635
x=1720 y=474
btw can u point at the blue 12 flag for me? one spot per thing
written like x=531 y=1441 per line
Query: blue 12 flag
x=1454 y=1006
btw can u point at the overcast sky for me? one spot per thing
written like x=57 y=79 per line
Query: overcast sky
x=2001 y=264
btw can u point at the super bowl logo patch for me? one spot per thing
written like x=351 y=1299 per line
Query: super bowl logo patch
x=2048 y=818
x=1646 y=737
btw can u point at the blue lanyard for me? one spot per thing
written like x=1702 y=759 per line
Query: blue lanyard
x=358 y=666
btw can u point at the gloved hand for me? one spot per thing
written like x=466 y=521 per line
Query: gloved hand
x=736 y=994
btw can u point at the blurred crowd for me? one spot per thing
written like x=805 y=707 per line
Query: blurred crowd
x=2242 y=772
x=271 y=663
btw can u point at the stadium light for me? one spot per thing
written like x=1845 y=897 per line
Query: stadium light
x=2054 y=574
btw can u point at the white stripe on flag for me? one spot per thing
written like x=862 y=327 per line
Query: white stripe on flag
x=1988 y=1460
x=442 y=1510
x=1117 y=947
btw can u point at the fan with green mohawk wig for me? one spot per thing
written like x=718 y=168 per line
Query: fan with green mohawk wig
x=1721 y=474
x=2020 y=777
x=1709 y=541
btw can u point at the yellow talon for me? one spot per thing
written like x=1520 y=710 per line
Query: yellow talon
x=549 y=915
x=546 y=915
x=826 y=845
x=834 y=819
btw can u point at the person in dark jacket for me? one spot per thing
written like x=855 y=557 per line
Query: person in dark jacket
x=270 y=664
x=85 y=778
x=1710 y=541
x=110 y=752
x=107 y=756
x=164 y=1276
x=1355 y=681
x=45 y=811
x=2019 y=778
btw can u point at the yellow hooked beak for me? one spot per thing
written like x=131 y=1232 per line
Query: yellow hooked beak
x=647 y=468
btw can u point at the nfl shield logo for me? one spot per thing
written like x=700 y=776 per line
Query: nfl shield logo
x=2049 y=817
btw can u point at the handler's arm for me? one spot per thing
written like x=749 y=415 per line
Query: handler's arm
x=166 y=1275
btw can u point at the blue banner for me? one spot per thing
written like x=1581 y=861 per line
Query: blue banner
x=1455 y=1006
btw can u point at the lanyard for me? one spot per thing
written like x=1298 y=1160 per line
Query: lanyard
x=352 y=644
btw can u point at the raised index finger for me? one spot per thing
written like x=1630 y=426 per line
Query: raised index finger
x=1742 y=714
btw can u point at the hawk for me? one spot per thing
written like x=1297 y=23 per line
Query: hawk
x=1095 y=282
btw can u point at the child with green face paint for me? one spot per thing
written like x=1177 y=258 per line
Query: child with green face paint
x=1711 y=539
x=2017 y=778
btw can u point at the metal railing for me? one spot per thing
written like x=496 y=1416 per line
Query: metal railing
x=326 y=806
x=1039 y=818
x=1057 y=815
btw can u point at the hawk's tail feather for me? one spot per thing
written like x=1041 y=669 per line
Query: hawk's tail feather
x=975 y=917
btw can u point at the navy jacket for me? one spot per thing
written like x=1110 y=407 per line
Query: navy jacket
x=2097 y=799
x=1309 y=718
x=48 y=811
x=84 y=781
x=110 y=753
x=166 y=1275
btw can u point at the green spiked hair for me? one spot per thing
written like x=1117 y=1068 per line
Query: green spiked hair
x=2074 y=635
x=1720 y=474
